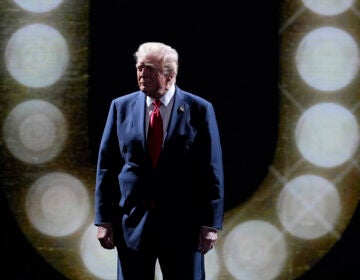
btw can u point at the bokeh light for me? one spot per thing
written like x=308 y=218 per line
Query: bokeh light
x=37 y=55
x=35 y=131
x=328 y=7
x=327 y=134
x=38 y=6
x=57 y=204
x=271 y=236
x=255 y=250
x=327 y=58
x=100 y=262
x=309 y=206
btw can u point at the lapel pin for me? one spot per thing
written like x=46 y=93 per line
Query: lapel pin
x=182 y=109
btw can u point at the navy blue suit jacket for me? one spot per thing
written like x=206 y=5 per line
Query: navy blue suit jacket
x=187 y=186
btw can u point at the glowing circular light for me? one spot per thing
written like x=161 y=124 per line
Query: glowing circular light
x=308 y=206
x=212 y=267
x=38 y=6
x=36 y=55
x=328 y=7
x=35 y=131
x=255 y=250
x=100 y=262
x=57 y=204
x=327 y=59
x=327 y=134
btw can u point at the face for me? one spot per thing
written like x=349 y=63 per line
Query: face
x=150 y=77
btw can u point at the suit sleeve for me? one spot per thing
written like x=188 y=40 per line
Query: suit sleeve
x=107 y=191
x=214 y=193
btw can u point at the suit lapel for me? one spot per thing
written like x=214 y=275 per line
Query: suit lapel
x=179 y=110
x=138 y=109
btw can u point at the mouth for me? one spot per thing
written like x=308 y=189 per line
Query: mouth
x=145 y=83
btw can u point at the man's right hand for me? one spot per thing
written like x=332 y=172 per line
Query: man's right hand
x=105 y=235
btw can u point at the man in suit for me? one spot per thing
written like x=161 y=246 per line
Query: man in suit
x=170 y=208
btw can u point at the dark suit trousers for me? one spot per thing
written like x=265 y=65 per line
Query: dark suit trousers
x=175 y=265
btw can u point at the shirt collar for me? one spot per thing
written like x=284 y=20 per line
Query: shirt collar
x=165 y=99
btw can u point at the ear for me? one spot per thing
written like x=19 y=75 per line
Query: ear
x=170 y=77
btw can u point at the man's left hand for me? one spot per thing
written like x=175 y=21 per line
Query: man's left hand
x=207 y=239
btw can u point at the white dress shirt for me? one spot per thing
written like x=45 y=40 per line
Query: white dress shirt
x=167 y=101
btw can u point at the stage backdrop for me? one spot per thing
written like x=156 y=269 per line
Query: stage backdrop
x=283 y=78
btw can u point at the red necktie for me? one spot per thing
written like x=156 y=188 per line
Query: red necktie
x=155 y=133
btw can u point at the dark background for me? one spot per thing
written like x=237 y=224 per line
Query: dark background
x=225 y=56
x=229 y=55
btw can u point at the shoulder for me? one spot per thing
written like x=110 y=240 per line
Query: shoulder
x=127 y=100
x=192 y=98
x=123 y=99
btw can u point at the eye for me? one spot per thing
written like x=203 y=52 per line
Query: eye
x=150 y=69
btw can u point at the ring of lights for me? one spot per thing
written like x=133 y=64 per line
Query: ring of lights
x=292 y=220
